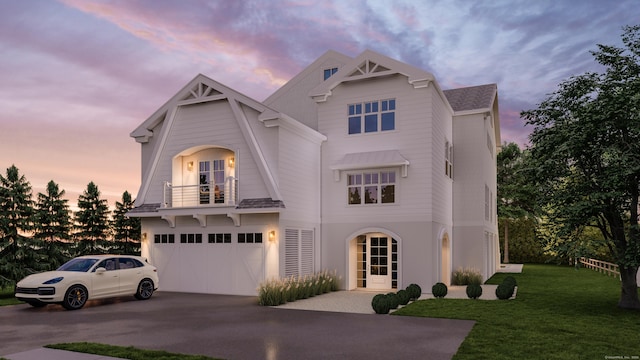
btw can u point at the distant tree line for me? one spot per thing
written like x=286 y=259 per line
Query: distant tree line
x=41 y=234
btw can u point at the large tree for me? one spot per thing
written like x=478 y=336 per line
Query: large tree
x=16 y=219
x=126 y=230
x=91 y=222
x=516 y=194
x=586 y=145
x=52 y=225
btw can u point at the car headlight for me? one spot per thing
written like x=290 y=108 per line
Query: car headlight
x=53 y=281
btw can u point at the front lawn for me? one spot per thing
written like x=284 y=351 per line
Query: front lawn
x=559 y=313
x=7 y=298
x=125 y=352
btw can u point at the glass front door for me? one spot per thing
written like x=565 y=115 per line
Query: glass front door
x=379 y=256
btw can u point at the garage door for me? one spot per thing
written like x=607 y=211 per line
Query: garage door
x=214 y=268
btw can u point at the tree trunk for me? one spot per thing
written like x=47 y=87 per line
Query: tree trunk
x=506 y=243
x=629 y=294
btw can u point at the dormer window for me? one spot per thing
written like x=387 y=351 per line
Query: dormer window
x=329 y=72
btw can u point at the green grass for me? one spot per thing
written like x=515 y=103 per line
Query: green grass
x=125 y=352
x=7 y=298
x=558 y=313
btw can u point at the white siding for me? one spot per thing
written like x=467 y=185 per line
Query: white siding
x=212 y=124
x=299 y=177
x=412 y=137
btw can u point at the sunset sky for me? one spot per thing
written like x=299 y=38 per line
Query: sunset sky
x=77 y=76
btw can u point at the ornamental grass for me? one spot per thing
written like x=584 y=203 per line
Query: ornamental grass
x=276 y=292
x=466 y=276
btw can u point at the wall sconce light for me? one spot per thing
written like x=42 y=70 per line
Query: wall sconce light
x=190 y=166
x=232 y=162
x=144 y=236
x=272 y=236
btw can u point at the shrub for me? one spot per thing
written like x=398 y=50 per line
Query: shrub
x=403 y=297
x=380 y=304
x=376 y=299
x=504 y=291
x=394 y=302
x=414 y=291
x=474 y=291
x=466 y=277
x=439 y=290
x=511 y=280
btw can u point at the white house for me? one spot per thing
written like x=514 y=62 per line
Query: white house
x=361 y=165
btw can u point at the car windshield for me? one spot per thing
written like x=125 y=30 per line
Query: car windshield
x=81 y=265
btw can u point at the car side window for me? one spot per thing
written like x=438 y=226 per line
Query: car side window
x=109 y=264
x=127 y=263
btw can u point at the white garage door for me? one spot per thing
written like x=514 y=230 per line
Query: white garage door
x=214 y=268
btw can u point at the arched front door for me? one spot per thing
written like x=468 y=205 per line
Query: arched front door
x=377 y=261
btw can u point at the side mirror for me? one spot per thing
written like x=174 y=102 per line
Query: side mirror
x=100 y=270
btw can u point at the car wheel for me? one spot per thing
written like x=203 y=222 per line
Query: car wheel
x=75 y=297
x=36 y=303
x=145 y=289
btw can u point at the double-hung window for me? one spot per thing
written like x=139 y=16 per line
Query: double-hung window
x=375 y=187
x=372 y=116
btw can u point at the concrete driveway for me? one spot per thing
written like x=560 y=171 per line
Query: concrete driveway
x=231 y=327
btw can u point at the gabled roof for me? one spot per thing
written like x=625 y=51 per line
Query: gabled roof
x=479 y=97
x=199 y=89
x=330 y=55
x=476 y=100
x=203 y=89
x=370 y=64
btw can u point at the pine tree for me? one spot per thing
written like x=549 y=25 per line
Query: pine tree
x=91 y=222
x=53 y=225
x=17 y=258
x=126 y=230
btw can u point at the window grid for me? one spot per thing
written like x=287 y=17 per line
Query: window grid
x=164 y=238
x=372 y=116
x=219 y=238
x=191 y=238
x=329 y=72
x=371 y=188
x=249 y=238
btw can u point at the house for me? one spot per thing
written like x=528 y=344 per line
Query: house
x=360 y=165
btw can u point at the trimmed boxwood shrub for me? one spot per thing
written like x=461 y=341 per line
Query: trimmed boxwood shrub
x=474 y=291
x=439 y=290
x=504 y=291
x=414 y=291
x=380 y=304
x=510 y=280
x=403 y=297
x=394 y=302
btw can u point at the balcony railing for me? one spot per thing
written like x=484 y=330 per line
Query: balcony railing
x=202 y=195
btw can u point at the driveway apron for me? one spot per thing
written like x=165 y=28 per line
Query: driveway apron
x=231 y=327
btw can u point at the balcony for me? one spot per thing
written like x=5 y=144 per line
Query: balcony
x=201 y=195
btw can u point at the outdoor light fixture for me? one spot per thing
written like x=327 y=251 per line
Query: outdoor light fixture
x=232 y=161
x=272 y=236
x=190 y=166
x=144 y=236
